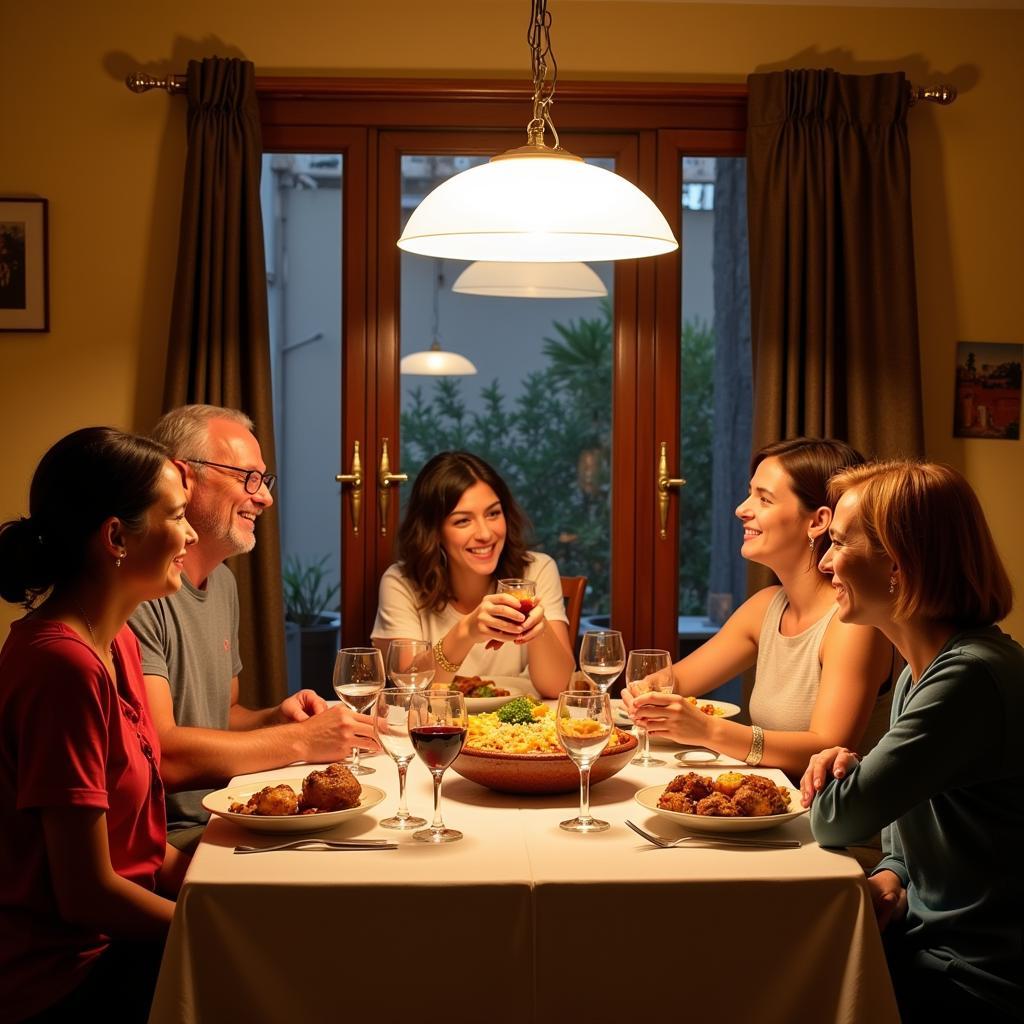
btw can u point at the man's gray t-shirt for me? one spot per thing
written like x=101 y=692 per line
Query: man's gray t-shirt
x=191 y=639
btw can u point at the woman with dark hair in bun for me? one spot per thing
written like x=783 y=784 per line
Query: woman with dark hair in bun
x=85 y=872
x=462 y=532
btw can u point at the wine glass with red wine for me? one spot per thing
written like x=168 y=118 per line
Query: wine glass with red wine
x=525 y=592
x=437 y=728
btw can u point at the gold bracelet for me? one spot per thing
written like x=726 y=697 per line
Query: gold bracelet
x=756 y=747
x=442 y=661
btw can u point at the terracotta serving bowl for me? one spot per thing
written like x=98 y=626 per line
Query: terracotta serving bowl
x=537 y=773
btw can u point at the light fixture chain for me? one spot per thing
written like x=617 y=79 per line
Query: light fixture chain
x=545 y=69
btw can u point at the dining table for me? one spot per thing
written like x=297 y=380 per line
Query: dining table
x=521 y=921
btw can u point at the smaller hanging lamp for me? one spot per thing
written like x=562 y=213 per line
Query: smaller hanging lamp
x=530 y=280
x=435 y=362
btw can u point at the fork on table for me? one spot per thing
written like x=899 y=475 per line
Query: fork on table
x=707 y=839
x=322 y=845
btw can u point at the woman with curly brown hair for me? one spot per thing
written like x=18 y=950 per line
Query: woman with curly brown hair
x=462 y=532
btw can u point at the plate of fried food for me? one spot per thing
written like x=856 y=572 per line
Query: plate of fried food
x=311 y=803
x=706 y=801
x=488 y=694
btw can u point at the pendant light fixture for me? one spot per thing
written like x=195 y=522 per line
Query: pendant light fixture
x=538 y=203
x=530 y=280
x=435 y=362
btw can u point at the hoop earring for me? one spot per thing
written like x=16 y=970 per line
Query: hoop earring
x=892 y=584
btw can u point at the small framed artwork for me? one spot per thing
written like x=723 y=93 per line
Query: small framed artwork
x=24 y=265
x=987 y=390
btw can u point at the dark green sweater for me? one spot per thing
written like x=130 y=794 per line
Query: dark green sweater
x=947 y=784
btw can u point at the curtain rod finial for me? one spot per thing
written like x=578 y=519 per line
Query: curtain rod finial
x=941 y=94
x=139 y=81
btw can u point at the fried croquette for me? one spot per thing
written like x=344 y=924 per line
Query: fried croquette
x=717 y=806
x=693 y=786
x=676 y=802
x=271 y=801
x=754 y=799
x=332 y=789
x=728 y=782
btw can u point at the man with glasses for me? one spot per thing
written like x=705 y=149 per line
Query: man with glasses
x=189 y=640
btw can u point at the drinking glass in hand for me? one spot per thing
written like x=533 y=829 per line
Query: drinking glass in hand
x=525 y=592
x=648 y=672
x=602 y=657
x=583 y=723
x=411 y=664
x=358 y=678
x=437 y=728
x=391 y=726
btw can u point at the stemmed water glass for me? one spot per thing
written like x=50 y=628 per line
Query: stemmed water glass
x=391 y=726
x=358 y=678
x=411 y=664
x=602 y=657
x=648 y=671
x=437 y=728
x=583 y=724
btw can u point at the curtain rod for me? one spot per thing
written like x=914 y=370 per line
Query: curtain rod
x=943 y=95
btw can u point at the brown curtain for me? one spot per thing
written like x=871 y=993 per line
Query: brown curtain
x=219 y=350
x=832 y=288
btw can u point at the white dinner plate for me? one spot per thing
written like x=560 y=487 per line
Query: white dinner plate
x=517 y=686
x=648 y=799
x=219 y=801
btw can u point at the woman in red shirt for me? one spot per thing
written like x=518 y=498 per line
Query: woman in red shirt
x=85 y=871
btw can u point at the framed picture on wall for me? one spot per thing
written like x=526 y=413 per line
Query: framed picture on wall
x=988 y=390
x=24 y=265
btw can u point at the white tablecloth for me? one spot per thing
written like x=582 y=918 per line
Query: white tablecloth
x=522 y=922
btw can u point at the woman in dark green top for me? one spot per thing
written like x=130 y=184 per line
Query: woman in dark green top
x=912 y=555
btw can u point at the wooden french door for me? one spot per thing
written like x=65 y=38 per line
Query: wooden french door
x=373 y=124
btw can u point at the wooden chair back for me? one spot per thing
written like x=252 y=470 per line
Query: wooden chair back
x=573 y=589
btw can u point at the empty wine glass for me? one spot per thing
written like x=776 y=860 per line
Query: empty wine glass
x=358 y=678
x=648 y=671
x=525 y=592
x=391 y=726
x=602 y=657
x=583 y=724
x=437 y=728
x=411 y=664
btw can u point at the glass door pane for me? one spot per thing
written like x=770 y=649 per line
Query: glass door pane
x=715 y=395
x=539 y=405
x=302 y=212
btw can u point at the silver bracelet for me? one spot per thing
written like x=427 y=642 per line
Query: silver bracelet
x=756 y=747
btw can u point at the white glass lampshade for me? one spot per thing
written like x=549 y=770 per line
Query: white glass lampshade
x=537 y=206
x=434 y=362
x=530 y=280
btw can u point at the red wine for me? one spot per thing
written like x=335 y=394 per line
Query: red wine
x=438 y=745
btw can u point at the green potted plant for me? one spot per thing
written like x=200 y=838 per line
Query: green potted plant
x=311 y=608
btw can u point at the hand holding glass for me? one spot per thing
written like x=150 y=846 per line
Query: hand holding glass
x=411 y=664
x=583 y=724
x=358 y=678
x=525 y=592
x=602 y=657
x=437 y=728
x=391 y=726
x=648 y=671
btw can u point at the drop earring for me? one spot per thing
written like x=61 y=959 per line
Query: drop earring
x=117 y=561
x=892 y=584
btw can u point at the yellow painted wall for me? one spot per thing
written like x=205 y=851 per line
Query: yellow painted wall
x=110 y=164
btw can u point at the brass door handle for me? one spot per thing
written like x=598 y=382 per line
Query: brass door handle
x=386 y=481
x=355 y=483
x=665 y=484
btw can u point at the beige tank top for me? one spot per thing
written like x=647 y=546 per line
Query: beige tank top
x=789 y=675
x=788 y=671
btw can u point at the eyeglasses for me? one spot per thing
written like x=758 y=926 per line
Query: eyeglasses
x=254 y=479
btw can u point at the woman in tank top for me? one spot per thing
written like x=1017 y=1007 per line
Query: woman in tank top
x=819 y=682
